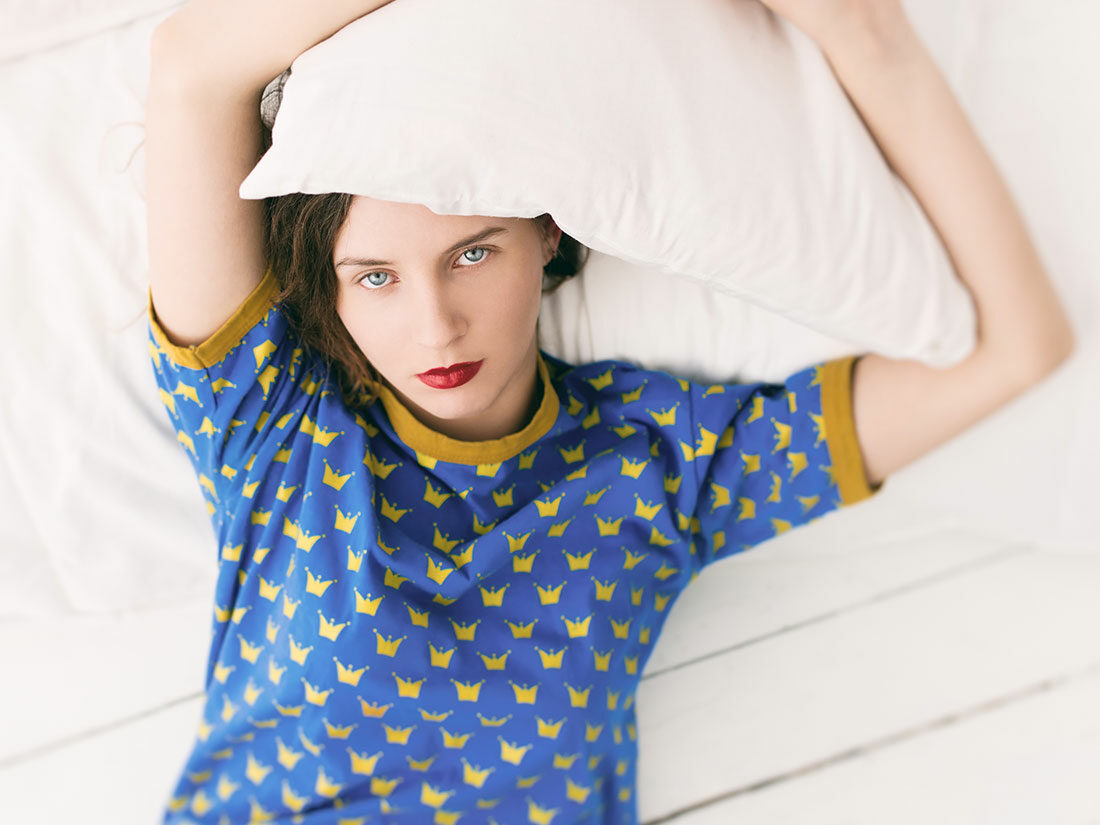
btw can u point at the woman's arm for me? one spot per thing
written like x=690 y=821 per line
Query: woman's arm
x=903 y=408
x=210 y=63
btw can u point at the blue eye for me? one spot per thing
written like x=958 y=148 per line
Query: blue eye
x=485 y=253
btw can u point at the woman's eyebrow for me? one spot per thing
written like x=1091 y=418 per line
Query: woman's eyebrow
x=480 y=236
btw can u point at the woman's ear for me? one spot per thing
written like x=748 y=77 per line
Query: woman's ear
x=552 y=233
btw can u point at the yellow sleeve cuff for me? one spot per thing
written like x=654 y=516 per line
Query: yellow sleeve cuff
x=840 y=432
x=227 y=336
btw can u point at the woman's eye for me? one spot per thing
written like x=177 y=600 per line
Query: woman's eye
x=369 y=282
x=484 y=254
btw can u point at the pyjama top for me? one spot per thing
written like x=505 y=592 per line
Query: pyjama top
x=410 y=628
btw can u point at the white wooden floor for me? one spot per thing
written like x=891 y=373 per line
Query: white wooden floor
x=928 y=675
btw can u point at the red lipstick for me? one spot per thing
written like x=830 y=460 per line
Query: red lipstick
x=445 y=378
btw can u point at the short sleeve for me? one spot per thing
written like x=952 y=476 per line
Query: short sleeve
x=768 y=457
x=225 y=395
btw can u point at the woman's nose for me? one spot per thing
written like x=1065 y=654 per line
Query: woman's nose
x=438 y=318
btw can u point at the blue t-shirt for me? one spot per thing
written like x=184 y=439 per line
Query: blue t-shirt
x=410 y=628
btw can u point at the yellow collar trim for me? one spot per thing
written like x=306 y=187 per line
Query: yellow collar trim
x=427 y=441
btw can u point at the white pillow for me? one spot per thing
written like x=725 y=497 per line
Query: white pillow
x=706 y=139
x=35 y=25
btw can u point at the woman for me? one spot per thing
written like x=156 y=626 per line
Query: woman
x=466 y=646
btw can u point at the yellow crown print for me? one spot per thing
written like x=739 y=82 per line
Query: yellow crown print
x=579 y=627
x=366 y=604
x=468 y=691
x=550 y=659
x=221 y=672
x=392 y=513
x=465 y=557
x=427 y=716
x=201 y=803
x=540 y=816
x=432 y=797
x=613 y=698
x=633 y=469
x=549 y=729
x=249 y=652
x=363 y=764
x=345 y=523
x=274 y=672
x=393 y=580
x=807 y=502
x=409 y=687
x=494 y=662
x=453 y=740
x=480 y=527
x=298 y=653
x=226 y=787
x=658 y=538
x=418 y=618
x=398 y=736
x=373 y=709
x=186 y=440
x=441 y=542
x=819 y=427
x=666 y=417
x=524 y=695
x=579 y=561
x=492 y=598
x=559 y=528
x=271 y=629
x=208 y=485
x=315 y=585
x=433 y=496
x=387 y=645
x=512 y=752
x=465 y=632
x=549 y=595
x=312 y=747
x=575 y=792
x=665 y=572
x=437 y=572
x=572 y=455
x=232 y=553
x=329 y=628
x=797 y=462
x=706 y=443
x=489 y=470
x=527 y=460
x=355 y=560
x=646 y=511
x=314 y=695
x=604 y=590
x=516 y=542
x=229 y=710
x=620 y=630
x=334 y=479
x=609 y=527
x=287 y=757
x=634 y=394
x=777 y=483
x=578 y=698
x=438 y=599
x=522 y=564
x=594 y=496
x=521 y=631
x=548 y=509
x=378 y=466
x=380 y=786
x=592 y=419
x=602 y=660
x=490 y=722
x=268 y=590
x=255 y=771
x=282 y=455
x=440 y=658
x=632 y=560
x=503 y=498
x=603 y=380
x=187 y=391
x=347 y=675
x=643 y=635
x=565 y=760
x=660 y=600
x=416 y=765
x=249 y=490
x=473 y=775
x=337 y=732
x=631 y=665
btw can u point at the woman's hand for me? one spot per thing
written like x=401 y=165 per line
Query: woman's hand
x=833 y=21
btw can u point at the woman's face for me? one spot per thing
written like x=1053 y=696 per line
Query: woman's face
x=419 y=291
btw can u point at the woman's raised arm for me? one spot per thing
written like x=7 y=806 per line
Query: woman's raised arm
x=902 y=408
x=210 y=63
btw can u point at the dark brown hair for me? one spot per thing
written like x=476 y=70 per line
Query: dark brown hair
x=300 y=237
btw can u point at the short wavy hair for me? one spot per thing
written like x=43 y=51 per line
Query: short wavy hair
x=300 y=236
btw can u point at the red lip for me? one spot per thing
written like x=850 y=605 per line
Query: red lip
x=454 y=376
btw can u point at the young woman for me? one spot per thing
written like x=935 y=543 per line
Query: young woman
x=445 y=555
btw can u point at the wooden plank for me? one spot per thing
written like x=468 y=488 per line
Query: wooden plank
x=731 y=721
x=123 y=776
x=77 y=674
x=1033 y=758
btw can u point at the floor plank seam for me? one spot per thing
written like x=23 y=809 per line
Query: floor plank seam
x=947 y=720
x=998 y=557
